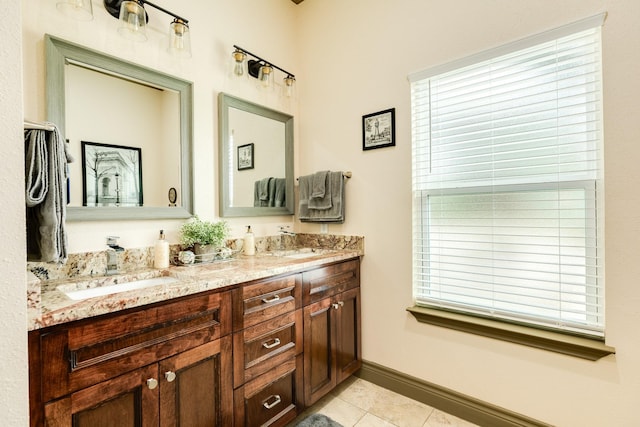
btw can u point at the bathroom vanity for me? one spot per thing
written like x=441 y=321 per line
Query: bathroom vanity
x=247 y=342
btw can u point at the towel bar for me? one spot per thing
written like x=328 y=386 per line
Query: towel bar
x=28 y=124
x=347 y=175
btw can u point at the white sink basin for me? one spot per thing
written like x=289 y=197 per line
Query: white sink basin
x=81 y=294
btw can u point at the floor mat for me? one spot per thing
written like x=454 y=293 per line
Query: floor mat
x=318 y=420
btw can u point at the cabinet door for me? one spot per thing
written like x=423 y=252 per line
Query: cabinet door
x=195 y=386
x=319 y=342
x=348 y=349
x=130 y=400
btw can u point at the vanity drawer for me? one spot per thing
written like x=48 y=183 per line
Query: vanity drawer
x=80 y=354
x=273 y=399
x=262 y=300
x=327 y=281
x=262 y=347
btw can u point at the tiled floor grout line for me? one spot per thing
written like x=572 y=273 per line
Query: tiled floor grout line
x=352 y=402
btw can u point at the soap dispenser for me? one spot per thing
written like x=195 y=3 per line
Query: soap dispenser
x=249 y=246
x=161 y=252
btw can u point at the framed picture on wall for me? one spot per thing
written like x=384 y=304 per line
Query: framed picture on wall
x=111 y=175
x=245 y=157
x=379 y=129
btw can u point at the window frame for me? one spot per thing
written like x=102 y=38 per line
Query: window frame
x=575 y=344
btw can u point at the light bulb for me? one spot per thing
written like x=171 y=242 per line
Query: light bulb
x=133 y=21
x=289 y=86
x=238 y=62
x=81 y=10
x=265 y=76
x=179 y=38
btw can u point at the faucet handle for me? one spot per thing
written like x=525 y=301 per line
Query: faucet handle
x=284 y=229
x=112 y=240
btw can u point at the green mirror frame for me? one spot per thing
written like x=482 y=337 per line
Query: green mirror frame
x=225 y=102
x=58 y=53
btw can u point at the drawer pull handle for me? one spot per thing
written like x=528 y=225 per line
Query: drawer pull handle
x=272 y=299
x=277 y=400
x=170 y=376
x=152 y=383
x=275 y=343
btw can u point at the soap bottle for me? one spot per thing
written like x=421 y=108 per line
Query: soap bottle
x=249 y=246
x=161 y=252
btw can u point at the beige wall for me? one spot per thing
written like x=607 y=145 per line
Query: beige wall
x=352 y=58
x=355 y=56
x=263 y=27
x=14 y=402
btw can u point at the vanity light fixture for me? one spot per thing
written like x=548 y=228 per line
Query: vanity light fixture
x=261 y=69
x=81 y=10
x=133 y=21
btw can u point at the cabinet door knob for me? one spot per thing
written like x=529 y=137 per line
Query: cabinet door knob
x=276 y=399
x=275 y=343
x=152 y=383
x=335 y=306
x=170 y=376
x=340 y=303
x=272 y=299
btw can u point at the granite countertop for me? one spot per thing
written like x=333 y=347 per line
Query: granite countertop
x=48 y=305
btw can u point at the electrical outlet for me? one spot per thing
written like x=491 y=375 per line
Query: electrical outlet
x=324 y=228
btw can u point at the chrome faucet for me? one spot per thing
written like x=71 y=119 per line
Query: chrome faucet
x=284 y=230
x=112 y=255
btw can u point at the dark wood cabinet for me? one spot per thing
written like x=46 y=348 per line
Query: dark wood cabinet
x=332 y=349
x=255 y=354
x=128 y=400
x=267 y=347
x=145 y=367
x=272 y=399
x=195 y=387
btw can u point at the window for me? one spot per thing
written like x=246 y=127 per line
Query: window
x=507 y=183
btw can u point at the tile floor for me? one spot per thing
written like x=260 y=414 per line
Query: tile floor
x=359 y=403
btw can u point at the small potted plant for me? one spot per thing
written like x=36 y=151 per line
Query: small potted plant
x=205 y=237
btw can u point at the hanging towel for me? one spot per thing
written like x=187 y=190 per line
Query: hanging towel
x=335 y=213
x=261 y=192
x=256 y=194
x=273 y=195
x=263 y=189
x=280 y=193
x=46 y=232
x=318 y=185
x=304 y=190
x=325 y=201
x=37 y=176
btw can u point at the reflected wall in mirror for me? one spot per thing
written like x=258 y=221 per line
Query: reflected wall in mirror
x=256 y=159
x=100 y=99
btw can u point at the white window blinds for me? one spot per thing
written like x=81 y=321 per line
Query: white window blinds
x=507 y=197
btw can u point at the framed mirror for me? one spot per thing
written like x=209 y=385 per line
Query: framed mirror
x=256 y=159
x=130 y=132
